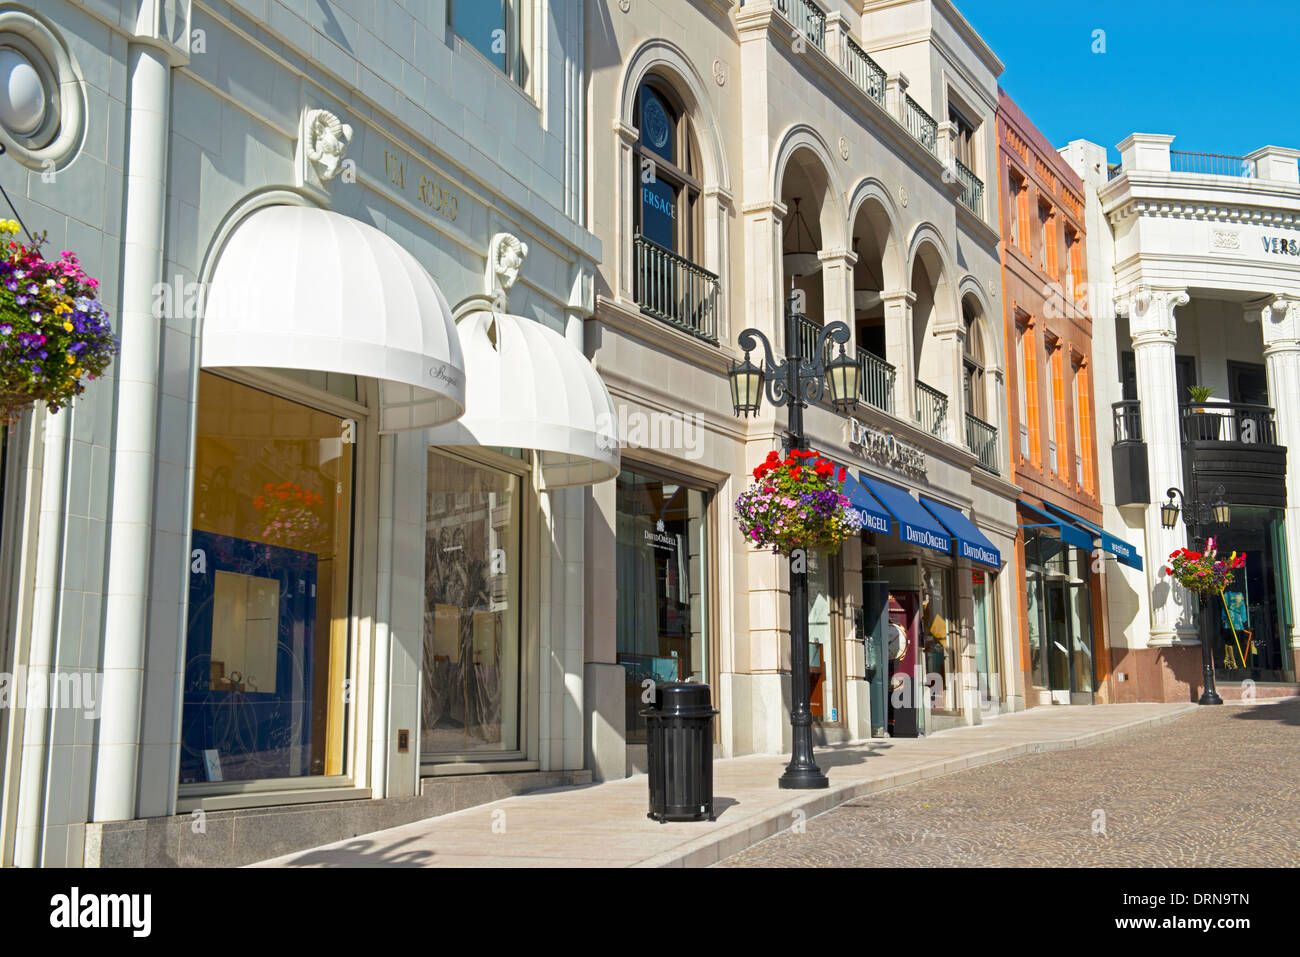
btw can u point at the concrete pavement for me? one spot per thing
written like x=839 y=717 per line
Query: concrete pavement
x=605 y=825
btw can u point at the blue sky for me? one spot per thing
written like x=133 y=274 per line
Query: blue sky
x=1223 y=77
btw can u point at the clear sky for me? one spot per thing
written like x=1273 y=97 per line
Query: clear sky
x=1223 y=76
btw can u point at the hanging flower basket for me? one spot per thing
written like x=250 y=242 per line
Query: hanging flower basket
x=797 y=502
x=286 y=517
x=53 y=332
x=1203 y=572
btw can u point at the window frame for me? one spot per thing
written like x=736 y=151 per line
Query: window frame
x=517 y=24
x=688 y=190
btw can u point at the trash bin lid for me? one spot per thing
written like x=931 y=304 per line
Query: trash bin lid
x=683 y=698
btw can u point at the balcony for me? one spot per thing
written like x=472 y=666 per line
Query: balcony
x=972 y=189
x=931 y=409
x=920 y=124
x=675 y=290
x=982 y=439
x=864 y=71
x=1129 y=455
x=876 y=381
x=807 y=18
x=1235 y=445
x=1209 y=164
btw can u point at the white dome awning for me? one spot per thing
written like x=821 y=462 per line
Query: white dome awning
x=531 y=389
x=303 y=288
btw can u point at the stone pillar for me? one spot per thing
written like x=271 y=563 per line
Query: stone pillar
x=837 y=291
x=1154 y=332
x=898 y=350
x=896 y=85
x=1280 y=323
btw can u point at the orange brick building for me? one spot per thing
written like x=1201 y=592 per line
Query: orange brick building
x=1051 y=418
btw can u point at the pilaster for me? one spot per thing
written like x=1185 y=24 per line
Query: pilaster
x=1280 y=324
x=899 y=350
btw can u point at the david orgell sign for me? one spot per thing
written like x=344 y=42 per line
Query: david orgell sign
x=881 y=445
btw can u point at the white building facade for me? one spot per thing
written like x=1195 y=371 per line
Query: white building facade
x=744 y=157
x=1204 y=251
x=317 y=541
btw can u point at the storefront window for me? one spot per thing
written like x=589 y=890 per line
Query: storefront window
x=661 y=575
x=471 y=618
x=820 y=646
x=939 y=636
x=266 y=649
x=987 y=665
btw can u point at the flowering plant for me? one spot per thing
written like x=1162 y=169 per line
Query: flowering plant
x=797 y=502
x=1203 y=572
x=285 y=516
x=53 y=331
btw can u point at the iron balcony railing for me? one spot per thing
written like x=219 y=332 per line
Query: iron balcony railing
x=1210 y=164
x=808 y=19
x=864 y=71
x=931 y=408
x=1128 y=421
x=972 y=189
x=921 y=124
x=1229 y=422
x=675 y=290
x=876 y=381
x=809 y=332
x=1114 y=171
x=982 y=439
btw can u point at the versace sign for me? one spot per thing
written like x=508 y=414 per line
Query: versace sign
x=884 y=447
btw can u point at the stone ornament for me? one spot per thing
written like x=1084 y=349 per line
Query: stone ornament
x=42 y=94
x=720 y=72
x=1226 y=239
x=327 y=143
x=844 y=148
x=902 y=196
x=625 y=5
x=506 y=255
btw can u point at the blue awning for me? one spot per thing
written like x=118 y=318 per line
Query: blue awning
x=971 y=542
x=1070 y=534
x=874 y=516
x=916 y=526
x=1122 y=550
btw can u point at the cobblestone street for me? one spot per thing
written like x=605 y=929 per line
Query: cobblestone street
x=1214 y=788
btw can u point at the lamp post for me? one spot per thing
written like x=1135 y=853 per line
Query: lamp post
x=793 y=383
x=1194 y=516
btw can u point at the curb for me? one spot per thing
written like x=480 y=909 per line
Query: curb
x=707 y=851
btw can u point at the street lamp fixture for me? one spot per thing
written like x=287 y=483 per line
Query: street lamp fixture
x=794 y=382
x=1169 y=510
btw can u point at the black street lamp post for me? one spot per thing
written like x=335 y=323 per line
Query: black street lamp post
x=1194 y=516
x=795 y=382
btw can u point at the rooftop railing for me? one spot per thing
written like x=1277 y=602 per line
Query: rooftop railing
x=1210 y=164
x=807 y=18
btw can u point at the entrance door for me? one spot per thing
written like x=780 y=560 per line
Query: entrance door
x=904 y=634
x=1058 y=641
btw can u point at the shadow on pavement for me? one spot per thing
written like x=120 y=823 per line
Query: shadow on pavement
x=1287 y=712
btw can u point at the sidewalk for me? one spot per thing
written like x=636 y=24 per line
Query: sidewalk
x=605 y=825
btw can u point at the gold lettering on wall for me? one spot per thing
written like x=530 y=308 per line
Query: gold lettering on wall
x=428 y=192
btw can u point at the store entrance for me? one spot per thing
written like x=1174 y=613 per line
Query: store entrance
x=906 y=718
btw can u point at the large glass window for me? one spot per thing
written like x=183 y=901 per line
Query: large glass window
x=471 y=616
x=988 y=667
x=821 y=647
x=661 y=579
x=940 y=636
x=266 y=648
x=496 y=29
x=666 y=173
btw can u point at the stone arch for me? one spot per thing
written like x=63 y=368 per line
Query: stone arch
x=803 y=146
x=873 y=199
x=936 y=309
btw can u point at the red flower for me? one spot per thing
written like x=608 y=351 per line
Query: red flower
x=773 y=457
x=794 y=472
x=842 y=473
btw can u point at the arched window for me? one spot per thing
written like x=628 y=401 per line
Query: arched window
x=665 y=175
x=973 y=361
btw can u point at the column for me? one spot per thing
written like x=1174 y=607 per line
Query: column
x=837 y=292
x=898 y=350
x=1154 y=333
x=1280 y=323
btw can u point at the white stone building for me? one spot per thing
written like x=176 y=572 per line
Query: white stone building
x=1200 y=256
x=297 y=592
x=735 y=150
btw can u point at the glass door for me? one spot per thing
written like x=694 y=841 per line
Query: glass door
x=1058 y=640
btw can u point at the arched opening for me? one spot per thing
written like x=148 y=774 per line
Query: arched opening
x=666 y=173
x=873 y=239
x=805 y=192
x=929 y=283
x=974 y=352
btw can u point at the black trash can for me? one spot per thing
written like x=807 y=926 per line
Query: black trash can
x=679 y=749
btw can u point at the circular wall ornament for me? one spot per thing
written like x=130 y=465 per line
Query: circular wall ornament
x=720 y=72
x=844 y=147
x=42 y=96
x=902 y=195
x=625 y=5
x=657 y=127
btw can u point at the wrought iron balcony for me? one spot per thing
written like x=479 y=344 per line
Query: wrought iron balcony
x=808 y=19
x=921 y=124
x=876 y=381
x=931 y=408
x=972 y=189
x=1234 y=422
x=864 y=71
x=675 y=290
x=982 y=439
x=809 y=332
x=1128 y=421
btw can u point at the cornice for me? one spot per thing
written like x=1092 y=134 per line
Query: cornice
x=1205 y=212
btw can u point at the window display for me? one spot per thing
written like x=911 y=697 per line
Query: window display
x=939 y=636
x=266 y=650
x=471 y=624
x=820 y=648
x=661 y=579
